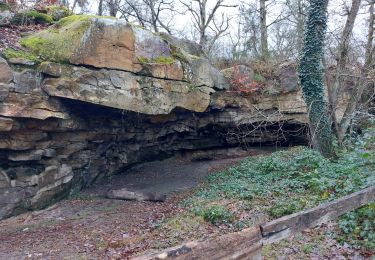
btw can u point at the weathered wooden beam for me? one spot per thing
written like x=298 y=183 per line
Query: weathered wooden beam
x=288 y=225
x=245 y=244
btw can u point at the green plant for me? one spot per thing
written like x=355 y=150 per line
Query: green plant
x=259 y=78
x=307 y=248
x=285 y=207
x=311 y=77
x=39 y=18
x=216 y=214
x=283 y=183
x=31 y=17
x=358 y=228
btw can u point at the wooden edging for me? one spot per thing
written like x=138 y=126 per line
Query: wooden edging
x=247 y=244
x=288 y=225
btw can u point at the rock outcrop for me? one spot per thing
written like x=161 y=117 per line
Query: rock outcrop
x=117 y=95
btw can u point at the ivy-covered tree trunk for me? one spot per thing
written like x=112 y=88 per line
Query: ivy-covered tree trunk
x=311 y=77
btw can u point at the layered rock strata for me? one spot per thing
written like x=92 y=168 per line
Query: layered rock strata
x=109 y=103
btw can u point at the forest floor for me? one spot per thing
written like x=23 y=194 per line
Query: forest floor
x=89 y=226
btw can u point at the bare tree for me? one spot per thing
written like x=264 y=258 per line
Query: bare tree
x=113 y=6
x=207 y=21
x=153 y=14
x=263 y=29
x=100 y=7
x=296 y=15
x=257 y=22
x=363 y=80
x=336 y=88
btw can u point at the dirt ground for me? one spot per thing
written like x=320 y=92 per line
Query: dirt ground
x=90 y=226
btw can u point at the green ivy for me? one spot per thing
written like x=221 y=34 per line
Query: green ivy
x=311 y=77
x=358 y=228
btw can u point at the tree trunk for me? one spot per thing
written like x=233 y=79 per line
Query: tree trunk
x=300 y=25
x=100 y=8
x=362 y=82
x=335 y=90
x=263 y=30
x=112 y=4
x=311 y=77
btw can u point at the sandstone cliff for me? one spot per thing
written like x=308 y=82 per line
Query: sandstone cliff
x=99 y=95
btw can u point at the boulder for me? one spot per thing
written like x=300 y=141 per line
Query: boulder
x=57 y=12
x=27 y=81
x=21 y=61
x=6 y=14
x=50 y=68
x=288 y=77
x=6 y=75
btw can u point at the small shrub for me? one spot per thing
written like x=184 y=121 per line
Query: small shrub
x=216 y=214
x=241 y=82
x=259 y=78
x=264 y=68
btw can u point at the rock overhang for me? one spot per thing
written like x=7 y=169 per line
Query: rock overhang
x=83 y=121
x=137 y=66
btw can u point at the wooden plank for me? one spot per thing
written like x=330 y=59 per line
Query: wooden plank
x=288 y=225
x=245 y=244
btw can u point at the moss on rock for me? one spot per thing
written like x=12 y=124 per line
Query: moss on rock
x=157 y=60
x=61 y=41
x=58 y=42
x=10 y=53
x=57 y=12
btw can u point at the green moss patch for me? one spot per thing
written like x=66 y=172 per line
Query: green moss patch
x=57 y=12
x=10 y=53
x=39 y=18
x=157 y=60
x=59 y=42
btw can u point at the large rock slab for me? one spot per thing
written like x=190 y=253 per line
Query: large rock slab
x=124 y=90
x=115 y=44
